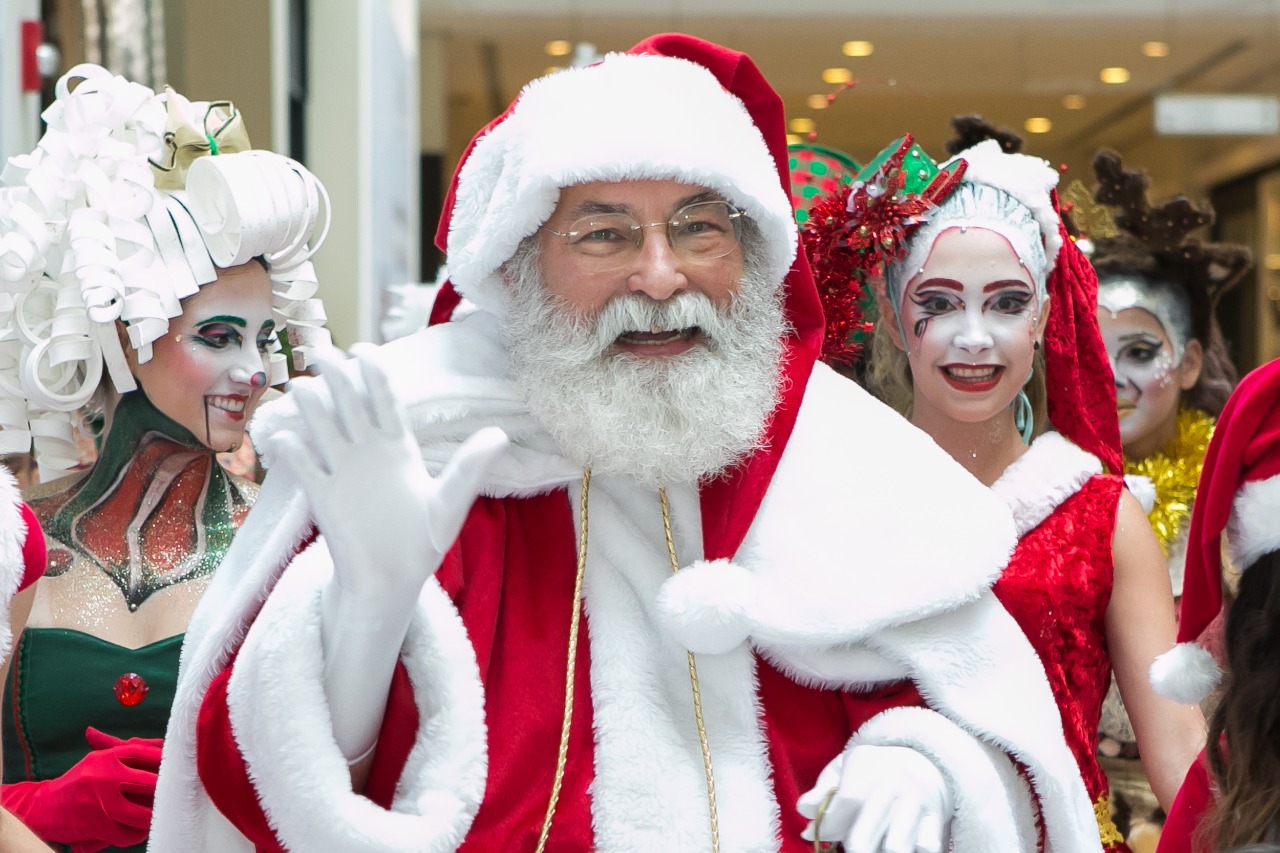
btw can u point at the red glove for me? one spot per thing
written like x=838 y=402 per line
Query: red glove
x=103 y=801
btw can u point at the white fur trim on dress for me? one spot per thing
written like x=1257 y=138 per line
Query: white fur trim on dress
x=13 y=533
x=280 y=718
x=1037 y=482
x=1186 y=673
x=625 y=118
x=1142 y=488
x=1254 y=528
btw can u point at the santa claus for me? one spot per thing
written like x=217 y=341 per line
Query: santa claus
x=704 y=594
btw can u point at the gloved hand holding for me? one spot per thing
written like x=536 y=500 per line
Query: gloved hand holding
x=879 y=799
x=104 y=800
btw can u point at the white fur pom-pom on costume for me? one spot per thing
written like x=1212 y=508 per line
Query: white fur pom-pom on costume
x=1186 y=673
x=708 y=607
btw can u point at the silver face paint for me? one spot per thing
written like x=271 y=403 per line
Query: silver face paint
x=1164 y=300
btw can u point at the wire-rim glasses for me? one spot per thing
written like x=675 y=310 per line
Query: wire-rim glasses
x=698 y=233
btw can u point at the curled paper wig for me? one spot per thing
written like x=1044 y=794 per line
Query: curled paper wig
x=131 y=201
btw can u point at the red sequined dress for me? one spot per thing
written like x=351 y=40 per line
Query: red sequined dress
x=1058 y=585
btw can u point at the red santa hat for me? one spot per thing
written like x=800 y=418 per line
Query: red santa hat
x=1239 y=495
x=632 y=116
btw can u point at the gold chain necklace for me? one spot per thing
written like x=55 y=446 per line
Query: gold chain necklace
x=563 y=753
x=697 y=693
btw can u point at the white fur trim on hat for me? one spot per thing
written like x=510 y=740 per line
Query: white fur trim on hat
x=1254 y=529
x=1028 y=179
x=626 y=118
x=1186 y=673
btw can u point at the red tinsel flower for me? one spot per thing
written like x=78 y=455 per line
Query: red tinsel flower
x=851 y=236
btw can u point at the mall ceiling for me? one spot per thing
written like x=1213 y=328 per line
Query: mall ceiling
x=1010 y=61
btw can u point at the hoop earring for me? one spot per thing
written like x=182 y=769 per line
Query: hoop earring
x=1023 y=418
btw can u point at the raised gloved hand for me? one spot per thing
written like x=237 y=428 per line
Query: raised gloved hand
x=879 y=799
x=104 y=800
x=387 y=524
x=385 y=520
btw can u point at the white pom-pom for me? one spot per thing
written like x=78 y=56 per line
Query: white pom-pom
x=1142 y=488
x=1186 y=673
x=708 y=607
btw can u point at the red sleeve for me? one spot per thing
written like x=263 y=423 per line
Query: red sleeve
x=34 y=555
x=1193 y=801
x=225 y=775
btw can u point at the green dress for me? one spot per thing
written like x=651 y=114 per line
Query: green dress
x=63 y=681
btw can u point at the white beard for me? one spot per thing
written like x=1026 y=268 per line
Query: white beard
x=663 y=420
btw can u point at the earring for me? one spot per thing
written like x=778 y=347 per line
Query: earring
x=1023 y=417
x=1036 y=346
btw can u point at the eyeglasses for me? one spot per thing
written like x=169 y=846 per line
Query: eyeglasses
x=697 y=233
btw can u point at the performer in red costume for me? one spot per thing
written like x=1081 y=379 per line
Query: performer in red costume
x=706 y=578
x=1229 y=798
x=977 y=276
x=22 y=562
x=153 y=261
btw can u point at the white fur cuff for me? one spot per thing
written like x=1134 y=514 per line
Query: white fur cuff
x=280 y=719
x=992 y=804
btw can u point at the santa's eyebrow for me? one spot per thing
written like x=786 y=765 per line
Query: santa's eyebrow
x=590 y=206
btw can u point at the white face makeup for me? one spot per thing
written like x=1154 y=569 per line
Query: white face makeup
x=210 y=371
x=1148 y=383
x=971 y=318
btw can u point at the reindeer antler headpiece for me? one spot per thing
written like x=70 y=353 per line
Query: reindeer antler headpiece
x=1154 y=253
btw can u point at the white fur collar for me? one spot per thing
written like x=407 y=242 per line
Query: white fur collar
x=452 y=379
x=1052 y=470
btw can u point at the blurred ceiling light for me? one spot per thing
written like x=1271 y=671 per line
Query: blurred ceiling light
x=1273 y=261
x=837 y=76
x=857 y=48
x=802 y=125
x=1073 y=102
x=817 y=102
x=793 y=139
x=1155 y=49
x=559 y=47
x=1037 y=124
x=1114 y=75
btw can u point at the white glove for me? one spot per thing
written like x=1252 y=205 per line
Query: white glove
x=387 y=524
x=883 y=799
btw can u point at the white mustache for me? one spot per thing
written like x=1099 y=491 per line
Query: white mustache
x=641 y=314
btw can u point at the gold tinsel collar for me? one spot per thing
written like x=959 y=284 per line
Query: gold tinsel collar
x=1174 y=472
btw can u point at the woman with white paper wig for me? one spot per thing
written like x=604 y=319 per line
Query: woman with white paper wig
x=149 y=260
